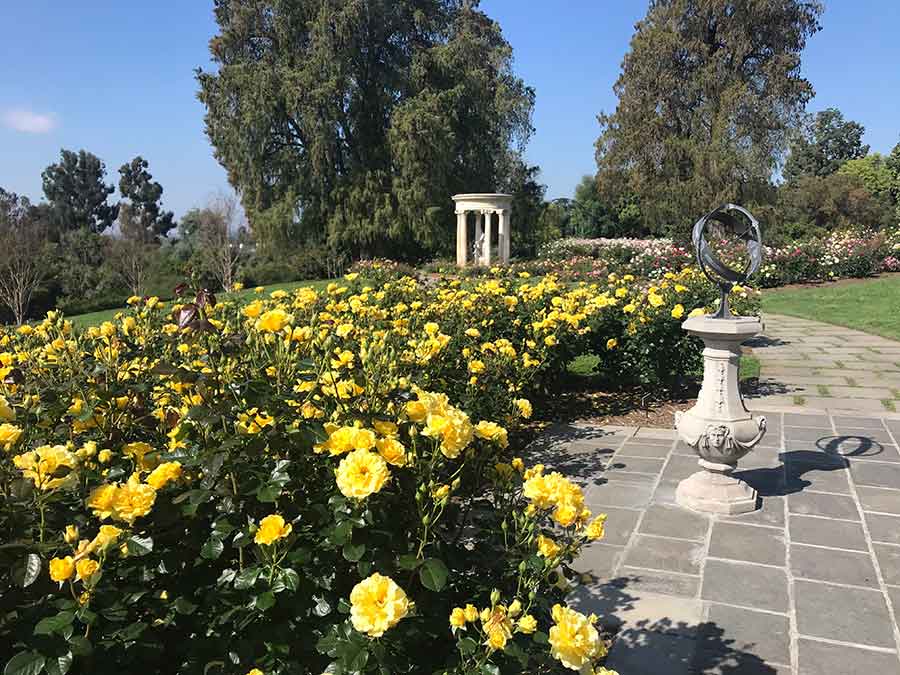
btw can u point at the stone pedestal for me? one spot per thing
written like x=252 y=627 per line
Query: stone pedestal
x=719 y=427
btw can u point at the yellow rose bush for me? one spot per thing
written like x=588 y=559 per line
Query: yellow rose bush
x=315 y=481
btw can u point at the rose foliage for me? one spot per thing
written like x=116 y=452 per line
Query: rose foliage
x=310 y=482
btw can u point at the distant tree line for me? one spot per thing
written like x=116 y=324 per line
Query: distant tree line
x=80 y=251
x=347 y=130
x=712 y=109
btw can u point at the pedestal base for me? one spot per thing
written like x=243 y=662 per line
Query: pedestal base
x=716 y=493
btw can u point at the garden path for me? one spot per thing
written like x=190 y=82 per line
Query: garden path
x=808 y=584
x=807 y=365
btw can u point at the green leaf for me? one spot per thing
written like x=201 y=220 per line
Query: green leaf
x=342 y=533
x=132 y=631
x=490 y=669
x=184 y=606
x=433 y=575
x=408 y=561
x=32 y=569
x=247 y=578
x=290 y=579
x=212 y=549
x=54 y=624
x=24 y=663
x=264 y=601
x=467 y=646
x=353 y=552
x=139 y=546
x=80 y=645
x=60 y=665
x=268 y=493
x=540 y=638
x=364 y=567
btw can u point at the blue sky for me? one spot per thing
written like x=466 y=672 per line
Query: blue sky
x=116 y=78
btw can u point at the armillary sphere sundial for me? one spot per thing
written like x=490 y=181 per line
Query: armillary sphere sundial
x=737 y=221
x=719 y=427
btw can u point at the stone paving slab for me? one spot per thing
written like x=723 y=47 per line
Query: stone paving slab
x=809 y=584
x=812 y=365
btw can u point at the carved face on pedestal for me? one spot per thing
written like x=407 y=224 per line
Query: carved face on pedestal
x=717 y=436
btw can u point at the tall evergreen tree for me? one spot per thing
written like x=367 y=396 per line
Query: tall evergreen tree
x=145 y=219
x=707 y=96
x=824 y=143
x=355 y=121
x=77 y=193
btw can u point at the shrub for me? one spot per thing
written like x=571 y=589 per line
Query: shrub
x=281 y=486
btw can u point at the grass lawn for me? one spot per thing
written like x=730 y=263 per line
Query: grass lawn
x=95 y=318
x=869 y=305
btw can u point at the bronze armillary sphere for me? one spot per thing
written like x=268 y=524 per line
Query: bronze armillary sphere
x=736 y=220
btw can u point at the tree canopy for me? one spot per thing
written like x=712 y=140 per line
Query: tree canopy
x=145 y=219
x=708 y=94
x=824 y=144
x=354 y=122
x=77 y=194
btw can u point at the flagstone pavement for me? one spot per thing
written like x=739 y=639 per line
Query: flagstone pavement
x=808 y=584
x=807 y=365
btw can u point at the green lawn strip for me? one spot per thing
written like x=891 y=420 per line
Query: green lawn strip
x=584 y=365
x=81 y=321
x=749 y=367
x=869 y=305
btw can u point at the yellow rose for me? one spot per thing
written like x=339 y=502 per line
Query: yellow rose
x=524 y=406
x=492 y=431
x=132 y=501
x=9 y=435
x=7 y=413
x=573 y=639
x=138 y=452
x=105 y=537
x=253 y=310
x=86 y=568
x=527 y=624
x=100 y=501
x=697 y=311
x=71 y=534
x=595 y=530
x=62 y=569
x=164 y=474
x=547 y=547
x=377 y=604
x=677 y=311
x=271 y=529
x=471 y=613
x=416 y=411
x=392 y=450
x=385 y=428
x=49 y=467
x=458 y=617
x=273 y=321
x=612 y=343
x=361 y=473
x=497 y=625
